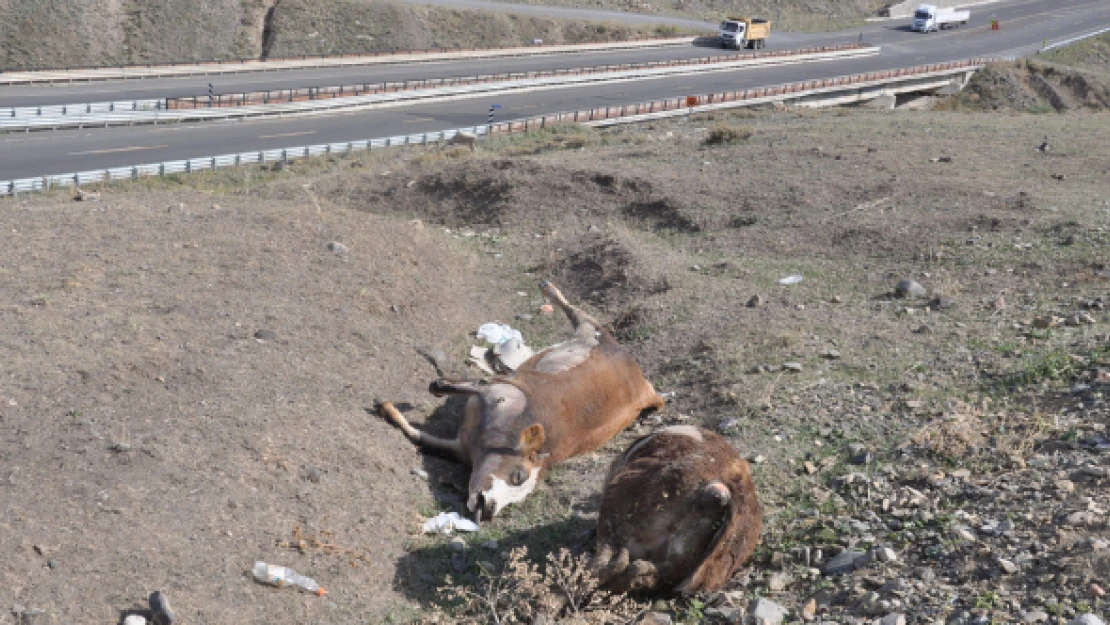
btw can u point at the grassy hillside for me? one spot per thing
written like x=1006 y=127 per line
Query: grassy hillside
x=1076 y=77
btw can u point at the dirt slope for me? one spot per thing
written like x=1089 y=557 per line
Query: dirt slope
x=186 y=374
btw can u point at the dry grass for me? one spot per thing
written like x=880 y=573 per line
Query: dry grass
x=564 y=591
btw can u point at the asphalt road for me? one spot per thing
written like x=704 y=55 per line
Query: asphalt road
x=1025 y=25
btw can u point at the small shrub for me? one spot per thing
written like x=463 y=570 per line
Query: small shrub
x=722 y=134
x=564 y=590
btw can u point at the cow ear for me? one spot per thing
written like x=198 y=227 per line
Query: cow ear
x=532 y=438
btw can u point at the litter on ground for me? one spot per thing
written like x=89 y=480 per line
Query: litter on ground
x=447 y=522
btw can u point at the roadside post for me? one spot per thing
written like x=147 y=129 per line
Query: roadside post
x=489 y=119
x=691 y=102
x=211 y=91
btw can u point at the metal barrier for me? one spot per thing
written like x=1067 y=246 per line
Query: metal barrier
x=344 y=91
x=630 y=113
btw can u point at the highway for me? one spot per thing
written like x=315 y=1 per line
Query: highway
x=1025 y=24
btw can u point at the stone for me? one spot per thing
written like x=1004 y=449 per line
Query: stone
x=778 y=582
x=941 y=302
x=656 y=618
x=337 y=248
x=1034 y=616
x=1086 y=619
x=893 y=618
x=160 y=611
x=724 y=613
x=886 y=554
x=265 y=335
x=909 y=289
x=1007 y=566
x=871 y=603
x=809 y=610
x=766 y=612
x=755 y=301
x=964 y=534
x=845 y=562
x=831 y=354
x=792 y=367
x=420 y=473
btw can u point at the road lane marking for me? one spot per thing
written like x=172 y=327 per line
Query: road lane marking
x=136 y=148
x=288 y=134
x=419 y=119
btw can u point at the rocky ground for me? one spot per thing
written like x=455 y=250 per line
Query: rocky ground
x=189 y=366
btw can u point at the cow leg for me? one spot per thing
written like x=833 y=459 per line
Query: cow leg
x=449 y=447
x=582 y=322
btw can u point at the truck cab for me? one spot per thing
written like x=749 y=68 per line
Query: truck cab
x=925 y=18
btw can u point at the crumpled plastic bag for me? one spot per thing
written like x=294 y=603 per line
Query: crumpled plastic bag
x=498 y=333
x=447 y=522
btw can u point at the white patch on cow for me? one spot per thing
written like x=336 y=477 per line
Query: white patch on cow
x=502 y=494
x=684 y=430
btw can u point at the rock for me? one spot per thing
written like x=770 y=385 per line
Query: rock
x=1065 y=486
x=909 y=289
x=337 y=248
x=831 y=354
x=778 y=582
x=766 y=612
x=845 y=562
x=1086 y=619
x=809 y=610
x=265 y=335
x=792 y=367
x=1007 y=566
x=420 y=473
x=314 y=475
x=656 y=618
x=1045 y=321
x=725 y=613
x=871 y=604
x=755 y=301
x=160 y=611
x=886 y=554
x=942 y=302
x=964 y=534
x=1034 y=616
x=893 y=619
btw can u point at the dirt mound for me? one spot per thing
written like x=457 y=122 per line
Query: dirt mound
x=1038 y=87
x=610 y=271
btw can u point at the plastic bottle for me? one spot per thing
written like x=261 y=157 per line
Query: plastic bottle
x=276 y=575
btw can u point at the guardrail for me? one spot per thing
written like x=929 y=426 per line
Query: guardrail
x=84 y=108
x=161 y=116
x=346 y=91
x=139 y=72
x=654 y=109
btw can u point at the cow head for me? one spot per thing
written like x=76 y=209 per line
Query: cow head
x=505 y=476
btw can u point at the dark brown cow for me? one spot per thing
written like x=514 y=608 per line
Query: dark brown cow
x=569 y=399
x=679 y=513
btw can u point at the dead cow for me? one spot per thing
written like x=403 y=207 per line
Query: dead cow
x=569 y=399
x=679 y=513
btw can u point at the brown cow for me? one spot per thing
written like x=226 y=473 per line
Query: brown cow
x=569 y=399
x=679 y=513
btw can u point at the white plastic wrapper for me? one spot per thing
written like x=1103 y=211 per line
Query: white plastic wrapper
x=447 y=522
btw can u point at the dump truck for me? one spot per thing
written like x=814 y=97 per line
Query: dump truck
x=744 y=32
x=928 y=18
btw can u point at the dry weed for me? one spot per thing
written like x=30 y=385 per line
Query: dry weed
x=565 y=591
x=953 y=435
x=722 y=134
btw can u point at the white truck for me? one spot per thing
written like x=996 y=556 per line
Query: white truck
x=928 y=18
